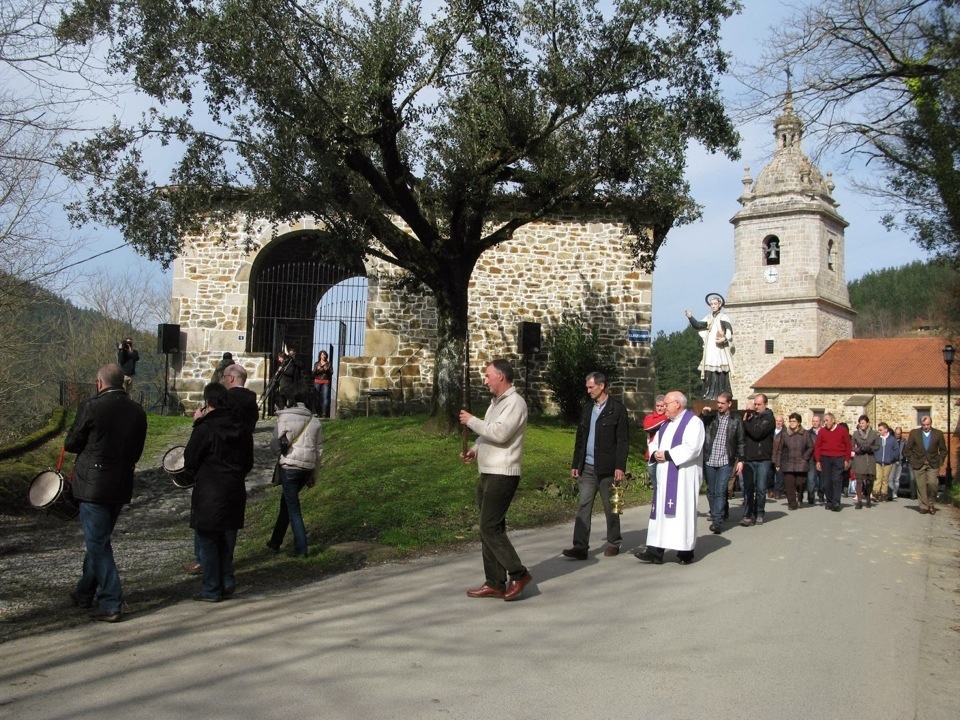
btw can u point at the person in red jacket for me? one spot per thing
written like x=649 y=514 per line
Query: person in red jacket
x=652 y=423
x=832 y=451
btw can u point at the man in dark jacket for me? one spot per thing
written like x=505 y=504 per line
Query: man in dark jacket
x=108 y=435
x=241 y=399
x=723 y=450
x=288 y=377
x=758 y=426
x=599 y=460
x=218 y=457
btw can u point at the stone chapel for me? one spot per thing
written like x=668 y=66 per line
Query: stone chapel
x=576 y=263
x=788 y=296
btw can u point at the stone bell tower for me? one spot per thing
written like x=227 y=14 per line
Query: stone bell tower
x=788 y=296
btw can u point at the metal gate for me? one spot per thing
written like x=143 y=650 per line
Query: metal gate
x=309 y=306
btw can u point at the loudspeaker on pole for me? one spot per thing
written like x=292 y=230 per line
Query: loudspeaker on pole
x=168 y=338
x=528 y=337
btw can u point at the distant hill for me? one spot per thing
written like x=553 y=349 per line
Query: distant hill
x=45 y=339
x=895 y=301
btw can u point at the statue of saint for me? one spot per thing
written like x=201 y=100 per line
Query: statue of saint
x=716 y=330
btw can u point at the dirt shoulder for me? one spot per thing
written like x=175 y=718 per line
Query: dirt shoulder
x=41 y=557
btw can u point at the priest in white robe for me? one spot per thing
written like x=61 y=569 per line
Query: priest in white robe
x=678 y=449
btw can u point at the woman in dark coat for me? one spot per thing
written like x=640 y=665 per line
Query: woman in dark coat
x=218 y=457
x=792 y=453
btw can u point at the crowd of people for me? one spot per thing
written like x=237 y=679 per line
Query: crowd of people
x=769 y=457
x=108 y=436
x=764 y=456
x=757 y=451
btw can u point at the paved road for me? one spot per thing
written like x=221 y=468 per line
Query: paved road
x=815 y=615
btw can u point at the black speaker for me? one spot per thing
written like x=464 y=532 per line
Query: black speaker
x=528 y=337
x=168 y=338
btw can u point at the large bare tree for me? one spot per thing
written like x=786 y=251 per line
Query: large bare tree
x=878 y=81
x=43 y=83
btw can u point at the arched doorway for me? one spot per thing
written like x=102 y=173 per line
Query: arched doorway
x=299 y=300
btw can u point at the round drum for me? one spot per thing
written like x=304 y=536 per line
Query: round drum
x=173 y=466
x=50 y=492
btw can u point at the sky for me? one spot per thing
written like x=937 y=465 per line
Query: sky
x=696 y=258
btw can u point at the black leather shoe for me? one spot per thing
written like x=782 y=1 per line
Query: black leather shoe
x=715 y=528
x=647 y=556
x=575 y=553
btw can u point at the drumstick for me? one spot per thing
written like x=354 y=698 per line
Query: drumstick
x=60 y=461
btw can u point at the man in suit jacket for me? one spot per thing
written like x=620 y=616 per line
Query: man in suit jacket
x=925 y=451
x=599 y=460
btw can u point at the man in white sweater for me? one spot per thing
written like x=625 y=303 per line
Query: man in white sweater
x=498 y=450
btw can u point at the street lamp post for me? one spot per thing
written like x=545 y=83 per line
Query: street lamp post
x=948 y=359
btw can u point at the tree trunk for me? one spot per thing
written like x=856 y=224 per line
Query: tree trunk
x=452 y=305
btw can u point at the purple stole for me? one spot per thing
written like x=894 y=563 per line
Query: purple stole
x=673 y=471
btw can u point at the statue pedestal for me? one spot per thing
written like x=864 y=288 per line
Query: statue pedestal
x=698 y=404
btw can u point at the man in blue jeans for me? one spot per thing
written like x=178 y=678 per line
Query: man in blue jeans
x=758 y=426
x=723 y=450
x=108 y=435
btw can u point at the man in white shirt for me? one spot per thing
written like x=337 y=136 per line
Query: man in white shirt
x=498 y=450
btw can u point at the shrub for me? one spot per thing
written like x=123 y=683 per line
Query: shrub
x=574 y=353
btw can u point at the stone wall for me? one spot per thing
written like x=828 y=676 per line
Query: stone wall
x=576 y=264
x=797 y=329
x=895 y=409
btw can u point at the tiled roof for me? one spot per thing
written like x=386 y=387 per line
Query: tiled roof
x=869 y=364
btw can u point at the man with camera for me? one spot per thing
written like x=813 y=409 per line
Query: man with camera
x=127 y=359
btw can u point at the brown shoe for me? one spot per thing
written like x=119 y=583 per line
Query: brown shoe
x=611 y=551
x=515 y=589
x=193 y=568
x=933 y=510
x=485 y=591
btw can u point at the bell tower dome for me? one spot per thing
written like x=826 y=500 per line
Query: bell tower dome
x=788 y=296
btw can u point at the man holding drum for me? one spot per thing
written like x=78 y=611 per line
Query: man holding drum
x=108 y=435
